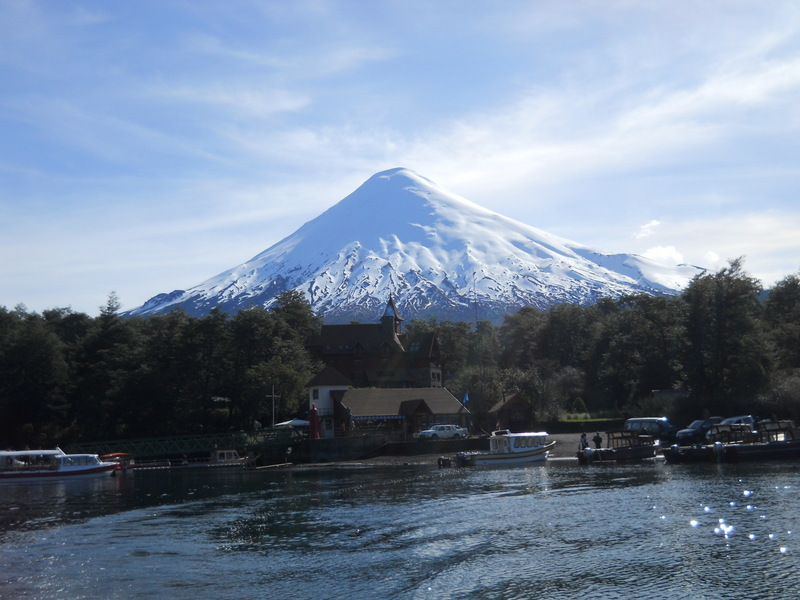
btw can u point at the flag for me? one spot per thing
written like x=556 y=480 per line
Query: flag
x=466 y=399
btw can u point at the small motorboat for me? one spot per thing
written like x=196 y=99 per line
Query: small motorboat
x=507 y=448
x=622 y=446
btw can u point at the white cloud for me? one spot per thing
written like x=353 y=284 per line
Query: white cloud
x=667 y=255
x=712 y=260
x=768 y=242
x=647 y=229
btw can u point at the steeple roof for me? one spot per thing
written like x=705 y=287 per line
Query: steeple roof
x=391 y=310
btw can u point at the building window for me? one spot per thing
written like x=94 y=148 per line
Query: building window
x=315 y=394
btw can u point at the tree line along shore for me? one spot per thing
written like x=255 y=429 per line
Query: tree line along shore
x=724 y=346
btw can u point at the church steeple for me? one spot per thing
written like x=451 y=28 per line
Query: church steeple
x=391 y=318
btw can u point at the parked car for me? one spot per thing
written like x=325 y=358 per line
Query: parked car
x=443 y=432
x=658 y=427
x=696 y=432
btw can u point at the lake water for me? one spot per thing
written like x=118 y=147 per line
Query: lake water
x=550 y=531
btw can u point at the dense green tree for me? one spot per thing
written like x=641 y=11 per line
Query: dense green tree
x=154 y=385
x=519 y=335
x=207 y=347
x=293 y=308
x=484 y=346
x=451 y=336
x=549 y=388
x=782 y=317
x=285 y=374
x=563 y=336
x=643 y=350
x=103 y=362
x=33 y=382
x=264 y=347
x=727 y=357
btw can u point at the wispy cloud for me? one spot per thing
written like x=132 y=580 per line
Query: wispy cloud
x=647 y=229
x=242 y=100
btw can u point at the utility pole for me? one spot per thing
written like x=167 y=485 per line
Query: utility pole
x=273 y=396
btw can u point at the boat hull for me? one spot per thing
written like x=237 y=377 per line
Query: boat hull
x=99 y=471
x=733 y=452
x=762 y=451
x=634 y=453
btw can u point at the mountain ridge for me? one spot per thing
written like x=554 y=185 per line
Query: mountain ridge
x=437 y=253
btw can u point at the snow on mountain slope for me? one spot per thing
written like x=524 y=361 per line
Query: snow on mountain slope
x=437 y=253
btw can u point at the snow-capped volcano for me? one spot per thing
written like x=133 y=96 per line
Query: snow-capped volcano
x=436 y=253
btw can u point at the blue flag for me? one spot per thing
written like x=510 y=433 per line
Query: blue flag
x=466 y=398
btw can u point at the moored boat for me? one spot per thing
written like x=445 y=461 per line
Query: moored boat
x=223 y=458
x=621 y=446
x=30 y=464
x=772 y=440
x=227 y=458
x=509 y=448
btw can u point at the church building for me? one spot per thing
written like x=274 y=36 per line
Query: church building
x=379 y=355
x=377 y=376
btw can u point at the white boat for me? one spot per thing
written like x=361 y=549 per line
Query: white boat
x=30 y=464
x=507 y=448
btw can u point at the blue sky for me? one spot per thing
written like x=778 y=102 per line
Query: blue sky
x=147 y=146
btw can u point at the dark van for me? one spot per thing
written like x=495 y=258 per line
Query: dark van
x=658 y=427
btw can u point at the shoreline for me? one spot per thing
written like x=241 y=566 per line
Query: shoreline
x=566 y=447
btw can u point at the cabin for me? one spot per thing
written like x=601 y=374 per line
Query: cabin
x=404 y=410
x=514 y=412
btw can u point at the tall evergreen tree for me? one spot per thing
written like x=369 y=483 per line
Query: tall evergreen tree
x=727 y=354
x=103 y=360
x=644 y=350
x=293 y=308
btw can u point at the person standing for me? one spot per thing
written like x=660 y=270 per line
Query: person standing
x=584 y=441
x=598 y=440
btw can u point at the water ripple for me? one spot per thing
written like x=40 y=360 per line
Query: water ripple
x=553 y=531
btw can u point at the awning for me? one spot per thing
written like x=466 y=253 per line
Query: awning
x=294 y=423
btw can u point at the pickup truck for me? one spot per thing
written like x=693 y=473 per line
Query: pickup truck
x=443 y=432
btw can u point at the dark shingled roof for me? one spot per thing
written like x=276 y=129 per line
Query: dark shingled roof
x=507 y=399
x=329 y=376
x=376 y=402
x=339 y=339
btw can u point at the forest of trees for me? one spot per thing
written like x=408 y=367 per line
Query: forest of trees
x=727 y=347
